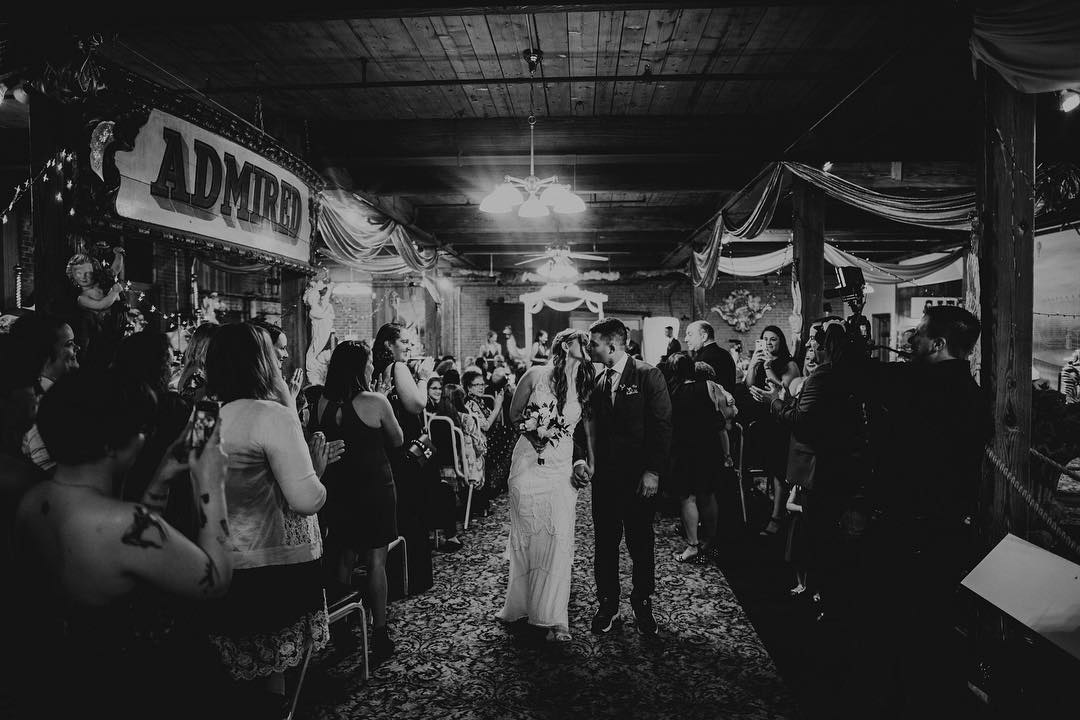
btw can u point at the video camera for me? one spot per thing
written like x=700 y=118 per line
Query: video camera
x=851 y=288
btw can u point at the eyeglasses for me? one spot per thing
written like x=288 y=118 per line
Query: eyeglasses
x=478 y=384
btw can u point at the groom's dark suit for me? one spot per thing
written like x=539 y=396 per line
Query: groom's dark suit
x=633 y=436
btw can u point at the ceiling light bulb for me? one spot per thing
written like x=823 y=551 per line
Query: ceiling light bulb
x=553 y=194
x=827 y=167
x=20 y=94
x=533 y=208
x=509 y=194
x=496 y=202
x=569 y=204
x=1070 y=100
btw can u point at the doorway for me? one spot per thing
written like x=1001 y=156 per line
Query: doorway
x=881 y=334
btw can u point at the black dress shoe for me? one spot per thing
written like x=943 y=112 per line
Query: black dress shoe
x=605 y=619
x=646 y=623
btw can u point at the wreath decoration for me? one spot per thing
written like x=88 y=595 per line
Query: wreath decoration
x=741 y=310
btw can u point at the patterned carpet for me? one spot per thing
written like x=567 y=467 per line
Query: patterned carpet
x=455 y=661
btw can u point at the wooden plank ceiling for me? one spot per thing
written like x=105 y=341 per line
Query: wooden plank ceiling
x=654 y=115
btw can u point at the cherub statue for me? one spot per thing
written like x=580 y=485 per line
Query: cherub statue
x=211 y=306
x=318 y=297
x=86 y=275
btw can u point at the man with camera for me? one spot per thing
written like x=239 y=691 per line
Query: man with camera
x=936 y=423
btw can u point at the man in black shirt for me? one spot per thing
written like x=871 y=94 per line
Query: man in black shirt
x=936 y=422
x=701 y=340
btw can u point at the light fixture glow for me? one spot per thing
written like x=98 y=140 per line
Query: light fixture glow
x=827 y=167
x=533 y=195
x=558 y=269
x=1069 y=100
x=533 y=208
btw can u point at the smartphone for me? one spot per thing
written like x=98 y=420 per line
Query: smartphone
x=202 y=427
x=759 y=344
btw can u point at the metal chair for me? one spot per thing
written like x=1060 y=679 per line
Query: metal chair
x=449 y=452
x=340 y=609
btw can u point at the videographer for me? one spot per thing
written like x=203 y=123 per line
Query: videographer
x=937 y=421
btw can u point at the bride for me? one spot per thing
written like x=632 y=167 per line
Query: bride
x=542 y=497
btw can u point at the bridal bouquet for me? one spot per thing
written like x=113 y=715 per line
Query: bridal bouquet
x=543 y=425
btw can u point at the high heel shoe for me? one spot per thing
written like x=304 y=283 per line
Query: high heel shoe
x=684 y=558
x=774 y=524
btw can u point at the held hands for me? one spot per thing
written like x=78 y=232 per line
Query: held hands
x=581 y=476
x=649 y=485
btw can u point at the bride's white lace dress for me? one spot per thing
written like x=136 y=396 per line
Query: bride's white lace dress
x=542 y=516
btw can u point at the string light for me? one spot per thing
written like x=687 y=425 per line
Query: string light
x=21 y=189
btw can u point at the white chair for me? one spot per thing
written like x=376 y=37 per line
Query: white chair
x=339 y=610
x=449 y=452
x=740 y=469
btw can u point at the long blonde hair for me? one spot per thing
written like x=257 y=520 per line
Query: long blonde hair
x=195 y=353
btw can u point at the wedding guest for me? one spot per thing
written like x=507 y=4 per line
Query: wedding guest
x=434 y=393
x=52 y=347
x=192 y=382
x=772 y=363
x=446 y=499
x=926 y=499
x=490 y=350
x=98 y=570
x=486 y=421
x=501 y=435
x=361 y=507
x=276 y=608
x=541 y=349
x=701 y=341
x=695 y=426
x=673 y=345
x=827 y=458
x=280 y=344
x=411 y=480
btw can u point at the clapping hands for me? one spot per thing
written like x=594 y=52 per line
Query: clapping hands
x=324 y=453
x=775 y=391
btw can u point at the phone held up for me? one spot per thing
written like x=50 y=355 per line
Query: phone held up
x=203 y=424
x=759 y=345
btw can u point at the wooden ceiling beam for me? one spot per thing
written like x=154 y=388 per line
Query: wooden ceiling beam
x=469 y=219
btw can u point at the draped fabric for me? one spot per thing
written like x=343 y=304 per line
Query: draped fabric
x=704 y=265
x=359 y=236
x=943 y=212
x=891 y=273
x=883 y=273
x=1031 y=43
x=217 y=264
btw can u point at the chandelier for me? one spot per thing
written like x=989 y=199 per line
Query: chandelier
x=531 y=195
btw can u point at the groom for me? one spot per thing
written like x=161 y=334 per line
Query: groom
x=632 y=414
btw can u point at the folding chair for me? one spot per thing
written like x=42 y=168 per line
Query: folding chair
x=747 y=469
x=303 y=673
x=340 y=609
x=449 y=452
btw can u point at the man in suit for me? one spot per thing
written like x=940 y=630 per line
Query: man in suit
x=631 y=410
x=673 y=345
x=701 y=340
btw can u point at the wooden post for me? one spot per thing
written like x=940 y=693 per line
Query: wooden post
x=808 y=236
x=52 y=249
x=294 y=316
x=698 y=303
x=1005 y=203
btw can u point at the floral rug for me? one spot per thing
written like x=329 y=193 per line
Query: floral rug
x=454 y=660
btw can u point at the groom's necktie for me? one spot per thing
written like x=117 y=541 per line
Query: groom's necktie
x=609 y=377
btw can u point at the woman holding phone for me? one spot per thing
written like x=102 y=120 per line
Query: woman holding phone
x=772 y=364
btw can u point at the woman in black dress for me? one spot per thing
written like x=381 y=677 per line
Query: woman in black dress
x=772 y=363
x=695 y=428
x=361 y=507
x=413 y=481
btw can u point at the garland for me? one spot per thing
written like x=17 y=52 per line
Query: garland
x=58 y=163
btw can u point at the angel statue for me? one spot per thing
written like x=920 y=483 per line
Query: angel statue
x=318 y=297
x=100 y=321
x=211 y=306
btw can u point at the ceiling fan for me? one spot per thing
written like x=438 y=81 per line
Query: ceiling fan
x=562 y=254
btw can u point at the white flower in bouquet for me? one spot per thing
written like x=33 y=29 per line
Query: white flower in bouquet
x=531 y=424
x=543 y=432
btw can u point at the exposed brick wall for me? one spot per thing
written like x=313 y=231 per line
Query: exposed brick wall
x=656 y=297
x=352 y=314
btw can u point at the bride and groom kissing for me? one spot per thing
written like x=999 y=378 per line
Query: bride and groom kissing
x=625 y=412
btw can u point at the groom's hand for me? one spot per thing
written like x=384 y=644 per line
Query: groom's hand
x=649 y=485
x=580 y=477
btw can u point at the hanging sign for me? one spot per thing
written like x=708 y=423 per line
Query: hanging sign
x=183 y=177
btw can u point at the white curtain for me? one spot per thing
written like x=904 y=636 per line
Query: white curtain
x=883 y=273
x=1031 y=43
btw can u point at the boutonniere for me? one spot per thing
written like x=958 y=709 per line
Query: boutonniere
x=629 y=389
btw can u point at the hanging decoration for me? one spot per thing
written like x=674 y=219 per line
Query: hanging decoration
x=358 y=236
x=1031 y=43
x=944 y=212
x=741 y=309
x=58 y=165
